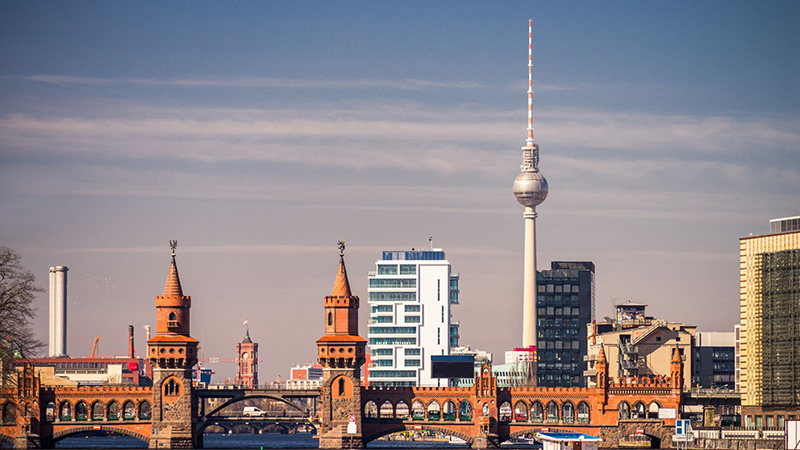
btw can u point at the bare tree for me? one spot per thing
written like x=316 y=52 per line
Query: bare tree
x=17 y=293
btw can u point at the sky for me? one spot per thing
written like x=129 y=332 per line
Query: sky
x=258 y=134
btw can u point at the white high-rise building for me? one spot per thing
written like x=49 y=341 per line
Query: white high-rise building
x=410 y=294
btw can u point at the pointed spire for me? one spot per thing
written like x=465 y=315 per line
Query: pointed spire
x=601 y=356
x=173 y=286
x=676 y=356
x=341 y=287
x=247 y=339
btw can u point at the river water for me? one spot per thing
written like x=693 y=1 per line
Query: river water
x=243 y=441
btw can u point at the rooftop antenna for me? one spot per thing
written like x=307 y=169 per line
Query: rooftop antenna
x=529 y=141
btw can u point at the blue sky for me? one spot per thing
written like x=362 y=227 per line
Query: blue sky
x=260 y=133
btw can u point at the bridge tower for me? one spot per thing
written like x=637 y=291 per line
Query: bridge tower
x=172 y=353
x=341 y=352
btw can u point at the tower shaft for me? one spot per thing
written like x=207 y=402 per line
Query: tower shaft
x=529 y=279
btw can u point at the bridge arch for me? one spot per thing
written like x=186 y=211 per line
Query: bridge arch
x=249 y=396
x=59 y=435
x=416 y=427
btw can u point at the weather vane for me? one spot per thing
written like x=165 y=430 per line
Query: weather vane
x=341 y=247
x=173 y=244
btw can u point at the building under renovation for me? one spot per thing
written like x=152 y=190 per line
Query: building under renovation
x=769 y=364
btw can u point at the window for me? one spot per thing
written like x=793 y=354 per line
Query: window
x=392 y=283
x=341 y=386
x=384 y=308
x=438 y=290
x=172 y=322
x=412 y=308
x=413 y=319
x=330 y=319
x=392 y=330
x=412 y=352
x=454 y=283
x=383 y=352
x=172 y=388
x=413 y=363
x=387 y=269
x=408 y=269
x=392 y=296
x=442 y=314
x=439 y=336
x=383 y=319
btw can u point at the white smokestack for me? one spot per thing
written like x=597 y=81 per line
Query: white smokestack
x=58 y=311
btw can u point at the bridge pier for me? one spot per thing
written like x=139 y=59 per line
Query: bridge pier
x=27 y=440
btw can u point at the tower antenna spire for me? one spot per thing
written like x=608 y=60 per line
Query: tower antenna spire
x=529 y=141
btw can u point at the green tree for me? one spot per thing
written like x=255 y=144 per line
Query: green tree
x=17 y=292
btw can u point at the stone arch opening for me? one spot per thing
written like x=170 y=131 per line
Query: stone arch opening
x=401 y=411
x=417 y=427
x=50 y=412
x=65 y=411
x=171 y=387
x=624 y=411
x=465 y=411
x=89 y=429
x=551 y=412
x=638 y=411
x=537 y=412
x=9 y=413
x=521 y=412
x=81 y=411
x=652 y=410
x=449 y=411
x=504 y=412
x=567 y=413
x=98 y=410
x=387 y=410
x=434 y=410
x=145 y=410
x=370 y=410
x=341 y=387
x=128 y=410
x=112 y=410
x=417 y=410
x=583 y=413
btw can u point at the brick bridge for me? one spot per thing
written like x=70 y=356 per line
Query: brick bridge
x=483 y=415
x=170 y=414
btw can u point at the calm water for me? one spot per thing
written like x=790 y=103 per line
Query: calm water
x=238 y=441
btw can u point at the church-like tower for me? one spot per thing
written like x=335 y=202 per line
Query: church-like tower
x=341 y=352
x=530 y=189
x=173 y=353
x=247 y=362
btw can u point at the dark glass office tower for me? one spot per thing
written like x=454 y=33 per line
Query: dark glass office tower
x=565 y=306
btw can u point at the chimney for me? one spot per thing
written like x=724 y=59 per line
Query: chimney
x=58 y=311
x=131 y=351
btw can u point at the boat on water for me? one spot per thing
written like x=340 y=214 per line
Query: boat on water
x=568 y=441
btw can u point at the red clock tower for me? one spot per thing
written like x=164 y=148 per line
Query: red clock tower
x=247 y=362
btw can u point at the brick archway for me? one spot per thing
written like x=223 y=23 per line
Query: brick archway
x=416 y=427
x=59 y=435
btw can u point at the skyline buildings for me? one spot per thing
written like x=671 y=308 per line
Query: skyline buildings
x=237 y=127
x=410 y=295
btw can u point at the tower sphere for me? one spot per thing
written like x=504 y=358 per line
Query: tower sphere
x=530 y=188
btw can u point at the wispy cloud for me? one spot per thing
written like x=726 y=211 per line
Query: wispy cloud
x=257 y=82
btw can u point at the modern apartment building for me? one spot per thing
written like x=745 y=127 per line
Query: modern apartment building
x=565 y=306
x=410 y=295
x=769 y=304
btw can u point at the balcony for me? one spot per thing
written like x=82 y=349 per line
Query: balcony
x=627 y=364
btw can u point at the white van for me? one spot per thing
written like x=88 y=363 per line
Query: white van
x=252 y=411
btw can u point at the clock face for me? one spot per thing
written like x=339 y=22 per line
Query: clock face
x=245 y=355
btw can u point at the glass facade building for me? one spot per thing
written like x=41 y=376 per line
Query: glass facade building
x=565 y=305
x=410 y=295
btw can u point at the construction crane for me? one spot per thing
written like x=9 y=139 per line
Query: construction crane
x=95 y=347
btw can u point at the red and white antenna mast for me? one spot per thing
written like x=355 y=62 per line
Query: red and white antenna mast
x=530 y=83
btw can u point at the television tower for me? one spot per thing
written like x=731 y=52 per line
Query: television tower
x=530 y=189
